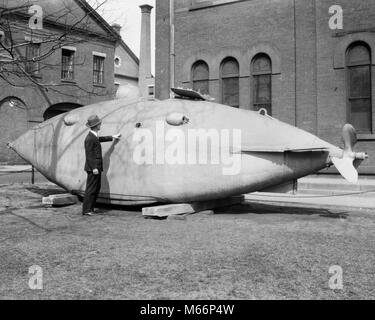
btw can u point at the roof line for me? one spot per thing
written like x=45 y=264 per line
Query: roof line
x=102 y=21
x=85 y=5
x=129 y=51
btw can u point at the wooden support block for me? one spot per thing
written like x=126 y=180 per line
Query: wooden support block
x=192 y=207
x=177 y=217
x=206 y=212
x=64 y=199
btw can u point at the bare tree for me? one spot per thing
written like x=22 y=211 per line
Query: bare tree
x=22 y=59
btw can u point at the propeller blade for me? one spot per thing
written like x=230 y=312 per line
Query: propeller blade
x=346 y=168
x=350 y=161
x=357 y=163
x=349 y=137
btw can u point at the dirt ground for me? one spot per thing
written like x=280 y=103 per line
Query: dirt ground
x=242 y=252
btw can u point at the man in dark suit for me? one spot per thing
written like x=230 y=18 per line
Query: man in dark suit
x=94 y=163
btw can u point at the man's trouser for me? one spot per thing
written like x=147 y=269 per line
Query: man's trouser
x=92 y=191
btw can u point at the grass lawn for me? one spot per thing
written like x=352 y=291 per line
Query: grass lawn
x=242 y=252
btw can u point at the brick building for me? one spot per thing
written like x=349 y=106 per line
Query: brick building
x=80 y=71
x=310 y=63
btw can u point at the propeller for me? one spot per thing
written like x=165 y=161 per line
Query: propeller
x=345 y=164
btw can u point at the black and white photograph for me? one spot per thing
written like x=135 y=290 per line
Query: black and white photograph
x=198 y=152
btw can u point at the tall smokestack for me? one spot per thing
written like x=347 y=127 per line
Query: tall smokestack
x=145 y=50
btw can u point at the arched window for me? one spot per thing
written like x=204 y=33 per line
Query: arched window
x=358 y=63
x=230 y=82
x=200 y=76
x=59 y=108
x=262 y=82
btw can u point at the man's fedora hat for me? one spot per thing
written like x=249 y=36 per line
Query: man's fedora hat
x=93 y=120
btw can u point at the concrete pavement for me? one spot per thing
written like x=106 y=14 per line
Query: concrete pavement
x=15 y=168
x=336 y=185
x=331 y=192
x=313 y=201
x=19 y=174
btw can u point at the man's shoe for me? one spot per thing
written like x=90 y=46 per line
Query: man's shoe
x=88 y=214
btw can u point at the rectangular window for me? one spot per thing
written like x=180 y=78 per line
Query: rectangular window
x=32 y=52
x=361 y=114
x=67 y=65
x=98 y=70
x=201 y=86
x=150 y=90
x=360 y=98
x=230 y=92
x=262 y=92
x=358 y=63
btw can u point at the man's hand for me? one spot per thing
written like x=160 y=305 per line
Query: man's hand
x=95 y=171
x=116 y=136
